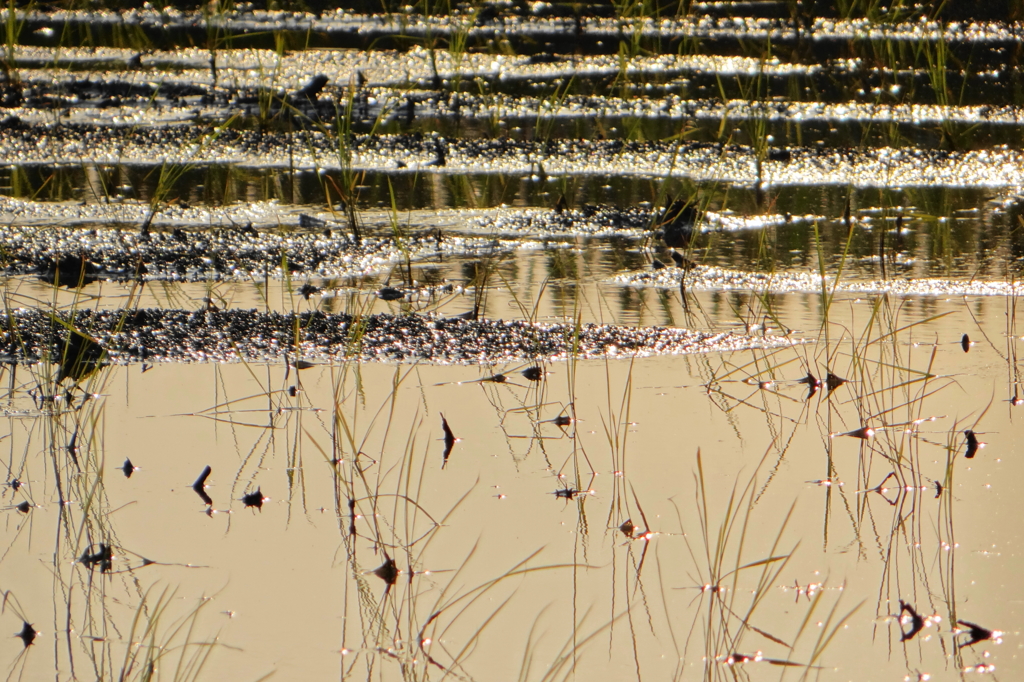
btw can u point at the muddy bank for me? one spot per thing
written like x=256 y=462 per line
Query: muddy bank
x=63 y=243
x=153 y=335
x=547 y=26
x=523 y=96
x=313 y=248
x=189 y=147
x=274 y=220
x=701 y=277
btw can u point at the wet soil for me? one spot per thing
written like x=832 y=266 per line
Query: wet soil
x=162 y=335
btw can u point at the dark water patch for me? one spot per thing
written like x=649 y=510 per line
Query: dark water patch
x=153 y=335
x=219 y=193
x=224 y=194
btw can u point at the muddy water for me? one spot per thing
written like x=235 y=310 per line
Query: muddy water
x=283 y=582
x=822 y=485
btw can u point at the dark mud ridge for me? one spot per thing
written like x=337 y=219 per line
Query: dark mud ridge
x=301 y=244
x=527 y=26
x=710 y=278
x=416 y=153
x=154 y=335
x=73 y=257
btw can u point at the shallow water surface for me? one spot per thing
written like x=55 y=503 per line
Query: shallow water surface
x=411 y=373
x=289 y=586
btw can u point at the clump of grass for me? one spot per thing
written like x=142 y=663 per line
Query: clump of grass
x=12 y=30
x=735 y=586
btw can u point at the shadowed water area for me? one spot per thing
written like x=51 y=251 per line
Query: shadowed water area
x=519 y=340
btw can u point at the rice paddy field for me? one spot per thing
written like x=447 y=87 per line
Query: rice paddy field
x=528 y=341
